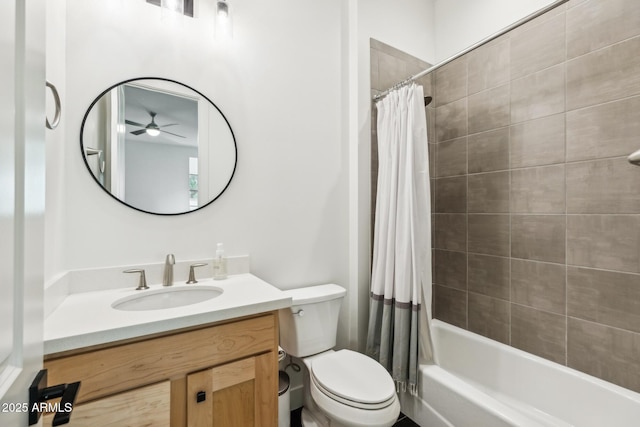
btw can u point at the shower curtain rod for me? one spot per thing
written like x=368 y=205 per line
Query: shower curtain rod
x=470 y=48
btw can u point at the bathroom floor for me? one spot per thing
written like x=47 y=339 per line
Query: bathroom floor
x=403 y=420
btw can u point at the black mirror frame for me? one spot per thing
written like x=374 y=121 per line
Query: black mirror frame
x=84 y=157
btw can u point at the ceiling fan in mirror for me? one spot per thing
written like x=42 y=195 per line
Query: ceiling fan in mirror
x=151 y=129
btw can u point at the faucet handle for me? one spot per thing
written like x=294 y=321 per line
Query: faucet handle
x=192 y=275
x=142 y=283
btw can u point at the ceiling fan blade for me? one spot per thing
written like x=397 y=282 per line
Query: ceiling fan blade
x=172 y=124
x=129 y=122
x=138 y=132
x=171 y=133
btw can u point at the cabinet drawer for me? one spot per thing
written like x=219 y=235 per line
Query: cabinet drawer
x=123 y=367
x=146 y=406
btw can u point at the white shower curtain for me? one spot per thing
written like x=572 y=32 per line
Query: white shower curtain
x=400 y=304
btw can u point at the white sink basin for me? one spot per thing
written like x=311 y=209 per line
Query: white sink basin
x=167 y=298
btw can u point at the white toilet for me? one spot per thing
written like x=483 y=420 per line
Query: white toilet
x=341 y=388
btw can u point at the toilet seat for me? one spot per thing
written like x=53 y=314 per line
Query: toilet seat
x=341 y=414
x=353 y=379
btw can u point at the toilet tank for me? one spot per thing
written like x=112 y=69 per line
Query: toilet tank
x=311 y=324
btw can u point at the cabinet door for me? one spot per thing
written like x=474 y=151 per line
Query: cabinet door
x=142 y=407
x=241 y=393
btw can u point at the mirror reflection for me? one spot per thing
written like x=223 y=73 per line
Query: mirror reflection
x=158 y=146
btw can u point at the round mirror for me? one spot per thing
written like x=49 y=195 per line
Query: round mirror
x=158 y=146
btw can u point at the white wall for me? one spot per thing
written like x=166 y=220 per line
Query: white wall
x=157 y=175
x=294 y=85
x=406 y=25
x=461 y=23
x=56 y=140
x=278 y=83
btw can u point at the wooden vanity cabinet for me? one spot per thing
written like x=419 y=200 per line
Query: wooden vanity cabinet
x=223 y=374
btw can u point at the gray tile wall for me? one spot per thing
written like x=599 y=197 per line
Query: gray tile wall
x=537 y=211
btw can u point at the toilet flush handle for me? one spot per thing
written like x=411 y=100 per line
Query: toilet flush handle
x=299 y=313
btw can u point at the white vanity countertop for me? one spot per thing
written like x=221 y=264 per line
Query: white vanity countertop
x=87 y=318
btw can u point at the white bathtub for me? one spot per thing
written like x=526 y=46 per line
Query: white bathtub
x=483 y=383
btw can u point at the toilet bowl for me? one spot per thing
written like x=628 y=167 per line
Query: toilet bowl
x=351 y=389
x=341 y=388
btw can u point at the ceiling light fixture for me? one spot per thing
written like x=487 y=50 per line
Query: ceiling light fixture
x=173 y=5
x=222 y=9
x=223 y=20
x=172 y=10
x=152 y=132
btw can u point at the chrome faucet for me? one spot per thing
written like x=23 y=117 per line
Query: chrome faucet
x=142 y=281
x=167 y=277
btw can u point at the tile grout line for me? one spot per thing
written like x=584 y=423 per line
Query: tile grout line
x=566 y=217
x=510 y=209
x=466 y=101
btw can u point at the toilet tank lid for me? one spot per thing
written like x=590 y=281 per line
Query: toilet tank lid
x=313 y=294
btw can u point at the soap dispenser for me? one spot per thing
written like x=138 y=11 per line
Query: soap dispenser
x=220 y=264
